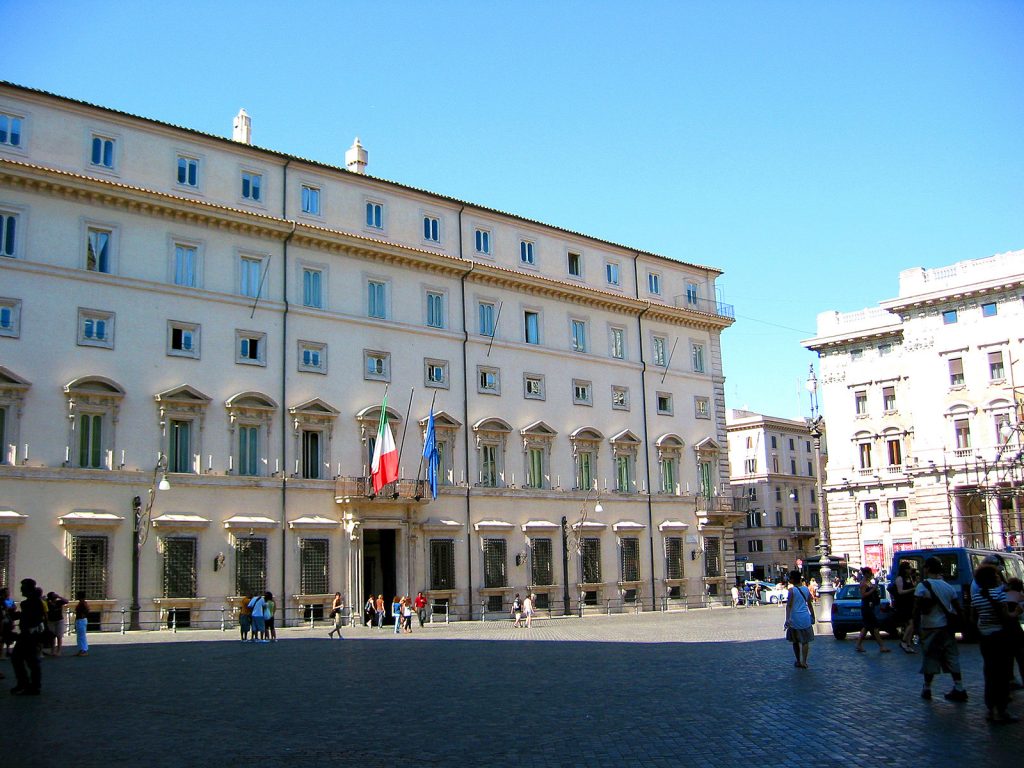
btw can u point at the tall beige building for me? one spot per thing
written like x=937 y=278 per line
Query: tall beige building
x=772 y=465
x=924 y=435
x=178 y=304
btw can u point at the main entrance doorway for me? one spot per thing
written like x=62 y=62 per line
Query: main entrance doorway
x=379 y=564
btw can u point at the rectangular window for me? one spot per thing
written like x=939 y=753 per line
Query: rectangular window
x=956 y=372
x=755 y=545
x=654 y=283
x=778 y=512
x=179 y=566
x=962 y=430
x=314 y=566
x=376 y=365
x=89 y=566
x=889 y=399
x=312 y=288
x=250 y=565
x=251 y=348
x=97 y=250
x=792 y=466
x=870 y=510
x=495 y=562
x=591 y=556
x=312 y=457
x=623 y=474
x=895 y=452
x=611 y=273
x=376 y=304
x=702 y=407
x=668 y=475
x=899 y=508
x=526 y=254
x=618 y=343
x=660 y=356
x=482 y=240
x=750 y=466
x=95 y=328
x=435 y=309
x=103 y=151
x=674 y=557
x=250 y=275
x=581 y=392
x=535 y=467
x=864 y=452
x=489 y=466
x=486 y=313
x=783 y=545
x=949 y=317
x=442 y=564
x=374 y=215
x=310 y=200
x=629 y=559
x=713 y=556
x=620 y=398
x=664 y=400
x=860 y=403
x=183 y=339
x=188 y=171
x=10 y=136
x=531 y=327
x=179 y=453
x=488 y=380
x=575 y=264
x=90 y=441
x=697 y=353
x=185 y=265
x=10 y=321
x=584 y=470
x=996 y=372
x=8 y=234
x=249 y=451
x=754 y=519
x=533 y=386
x=989 y=309
x=691 y=293
x=579 y=335
x=312 y=357
x=252 y=186
x=431 y=229
x=542 y=572
x=435 y=373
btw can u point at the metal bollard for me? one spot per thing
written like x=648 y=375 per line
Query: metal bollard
x=223 y=624
x=123 y=610
x=483 y=610
x=312 y=616
x=174 y=620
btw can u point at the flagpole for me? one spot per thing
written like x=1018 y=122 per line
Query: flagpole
x=405 y=428
x=419 y=471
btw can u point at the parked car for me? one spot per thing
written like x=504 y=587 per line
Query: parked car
x=778 y=594
x=958 y=566
x=846 y=616
x=764 y=594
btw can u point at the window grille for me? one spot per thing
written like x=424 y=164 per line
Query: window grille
x=180 y=567
x=712 y=557
x=591 y=554
x=495 y=558
x=89 y=566
x=543 y=602
x=5 y=560
x=250 y=566
x=442 y=564
x=674 y=557
x=629 y=559
x=541 y=571
x=495 y=603
x=313 y=566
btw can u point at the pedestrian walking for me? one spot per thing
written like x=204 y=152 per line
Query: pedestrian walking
x=1015 y=594
x=870 y=598
x=369 y=612
x=336 y=615
x=988 y=598
x=517 y=610
x=903 y=593
x=799 y=619
x=269 y=607
x=735 y=590
x=407 y=615
x=528 y=604
x=396 y=613
x=81 y=623
x=378 y=610
x=31 y=626
x=936 y=604
x=421 y=608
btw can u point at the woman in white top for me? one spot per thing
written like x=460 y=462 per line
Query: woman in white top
x=799 y=619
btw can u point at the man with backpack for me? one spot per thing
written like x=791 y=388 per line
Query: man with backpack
x=517 y=611
x=936 y=610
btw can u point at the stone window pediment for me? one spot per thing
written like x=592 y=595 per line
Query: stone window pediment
x=442 y=421
x=493 y=426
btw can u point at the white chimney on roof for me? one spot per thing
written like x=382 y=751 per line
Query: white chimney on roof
x=242 y=127
x=355 y=157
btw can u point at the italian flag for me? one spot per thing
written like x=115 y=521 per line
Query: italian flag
x=384 y=467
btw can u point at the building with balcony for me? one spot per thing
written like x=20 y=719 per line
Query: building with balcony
x=772 y=465
x=180 y=305
x=924 y=404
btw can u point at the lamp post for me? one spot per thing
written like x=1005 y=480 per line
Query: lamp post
x=598 y=509
x=141 y=519
x=816 y=426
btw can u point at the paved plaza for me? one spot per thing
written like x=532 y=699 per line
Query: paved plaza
x=700 y=688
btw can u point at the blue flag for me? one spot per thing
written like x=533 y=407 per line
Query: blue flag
x=431 y=455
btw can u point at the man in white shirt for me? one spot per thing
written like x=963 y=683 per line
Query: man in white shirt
x=935 y=601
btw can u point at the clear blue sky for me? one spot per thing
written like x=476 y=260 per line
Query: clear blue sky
x=811 y=150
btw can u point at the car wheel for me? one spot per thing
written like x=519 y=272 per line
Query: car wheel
x=773 y=599
x=839 y=634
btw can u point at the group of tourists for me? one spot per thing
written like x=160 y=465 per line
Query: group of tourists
x=402 y=610
x=34 y=628
x=932 y=609
x=256 y=618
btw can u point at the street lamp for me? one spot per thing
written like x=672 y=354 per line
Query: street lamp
x=598 y=509
x=142 y=517
x=815 y=425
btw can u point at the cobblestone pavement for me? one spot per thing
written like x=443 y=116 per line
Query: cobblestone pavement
x=700 y=688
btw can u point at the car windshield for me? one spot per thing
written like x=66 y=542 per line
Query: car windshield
x=848 y=592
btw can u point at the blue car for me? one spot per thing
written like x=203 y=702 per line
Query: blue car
x=846 y=616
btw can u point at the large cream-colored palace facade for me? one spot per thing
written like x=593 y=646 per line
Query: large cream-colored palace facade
x=182 y=304
x=923 y=425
